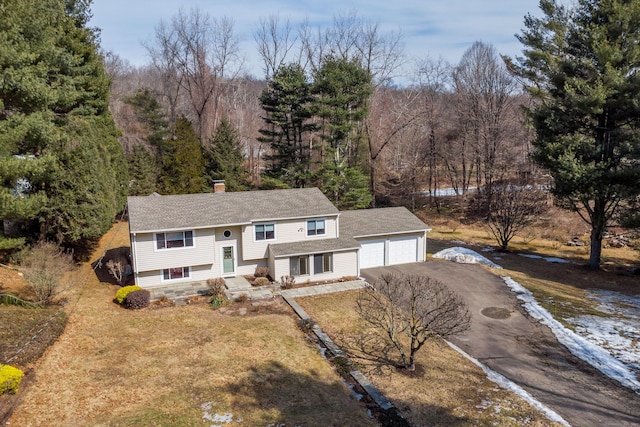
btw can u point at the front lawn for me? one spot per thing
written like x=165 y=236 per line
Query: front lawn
x=445 y=389
x=182 y=366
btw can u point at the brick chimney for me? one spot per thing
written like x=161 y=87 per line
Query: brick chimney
x=218 y=186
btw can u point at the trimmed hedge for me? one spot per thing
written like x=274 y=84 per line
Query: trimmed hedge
x=137 y=299
x=10 y=378
x=124 y=291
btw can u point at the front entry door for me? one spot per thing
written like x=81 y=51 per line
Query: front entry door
x=228 y=260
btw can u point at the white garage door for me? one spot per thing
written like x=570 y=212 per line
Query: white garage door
x=371 y=253
x=403 y=250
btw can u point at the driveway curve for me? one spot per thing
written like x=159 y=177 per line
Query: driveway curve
x=507 y=340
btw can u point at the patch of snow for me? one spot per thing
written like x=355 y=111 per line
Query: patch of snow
x=224 y=418
x=357 y=395
x=464 y=256
x=551 y=259
x=440 y=192
x=617 y=303
x=488 y=249
x=484 y=404
x=591 y=353
x=458 y=242
x=619 y=334
x=323 y=350
x=506 y=383
x=215 y=418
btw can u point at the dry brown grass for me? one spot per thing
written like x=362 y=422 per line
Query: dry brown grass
x=158 y=367
x=446 y=389
x=547 y=238
x=559 y=288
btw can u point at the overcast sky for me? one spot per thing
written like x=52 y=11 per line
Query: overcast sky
x=430 y=28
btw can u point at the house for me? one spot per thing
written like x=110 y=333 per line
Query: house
x=299 y=232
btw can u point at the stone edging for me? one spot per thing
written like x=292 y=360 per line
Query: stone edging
x=358 y=376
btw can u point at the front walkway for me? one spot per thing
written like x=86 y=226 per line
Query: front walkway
x=237 y=286
x=308 y=291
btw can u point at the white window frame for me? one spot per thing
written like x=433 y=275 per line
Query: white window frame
x=296 y=271
x=315 y=225
x=184 y=270
x=264 y=224
x=184 y=240
x=327 y=257
x=305 y=259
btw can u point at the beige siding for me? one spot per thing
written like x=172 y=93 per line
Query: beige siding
x=271 y=263
x=148 y=258
x=345 y=264
x=285 y=232
x=280 y=267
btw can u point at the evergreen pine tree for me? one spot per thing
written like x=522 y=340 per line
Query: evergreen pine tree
x=286 y=101
x=54 y=120
x=583 y=65
x=143 y=171
x=341 y=91
x=183 y=163
x=225 y=159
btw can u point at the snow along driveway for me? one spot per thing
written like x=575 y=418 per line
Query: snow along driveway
x=526 y=351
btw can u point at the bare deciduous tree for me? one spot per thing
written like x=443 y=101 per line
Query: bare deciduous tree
x=409 y=310
x=433 y=79
x=392 y=112
x=196 y=54
x=353 y=38
x=511 y=208
x=487 y=97
x=117 y=268
x=44 y=267
x=274 y=38
x=164 y=62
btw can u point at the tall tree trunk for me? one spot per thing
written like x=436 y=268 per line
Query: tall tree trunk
x=598 y=227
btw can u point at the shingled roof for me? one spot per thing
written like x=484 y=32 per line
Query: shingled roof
x=184 y=211
x=378 y=222
x=313 y=246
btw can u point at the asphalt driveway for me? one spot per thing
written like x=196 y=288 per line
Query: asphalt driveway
x=505 y=339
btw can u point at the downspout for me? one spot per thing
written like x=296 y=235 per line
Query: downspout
x=424 y=245
x=135 y=258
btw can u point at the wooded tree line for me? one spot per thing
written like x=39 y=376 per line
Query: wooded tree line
x=328 y=114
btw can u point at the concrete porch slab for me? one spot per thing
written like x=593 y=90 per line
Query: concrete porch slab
x=237 y=283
